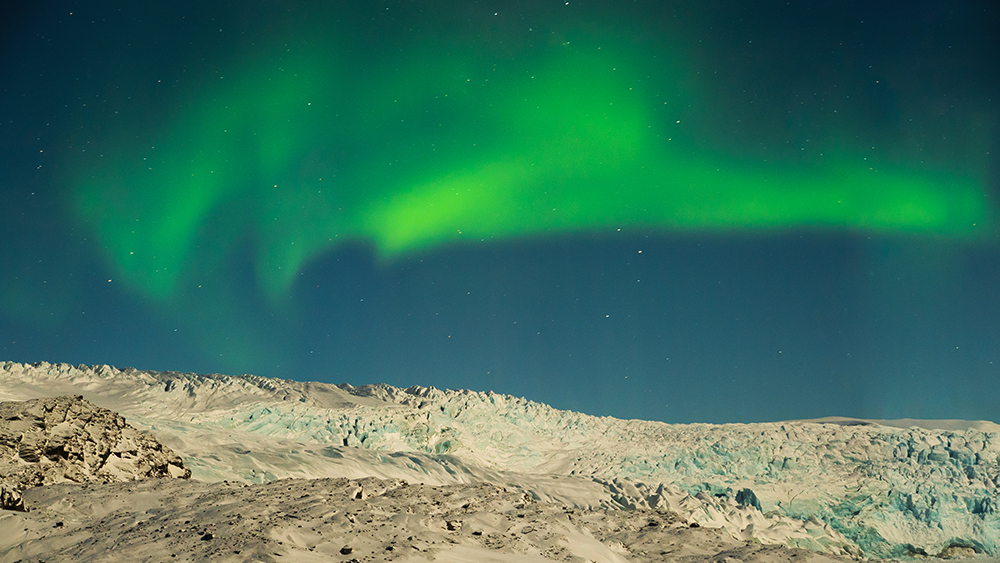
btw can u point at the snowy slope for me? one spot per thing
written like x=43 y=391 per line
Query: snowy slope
x=837 y=485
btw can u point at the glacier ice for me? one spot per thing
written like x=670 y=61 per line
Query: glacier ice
x=849 y=487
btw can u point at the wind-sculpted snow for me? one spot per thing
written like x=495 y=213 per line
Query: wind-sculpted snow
x=851 y=487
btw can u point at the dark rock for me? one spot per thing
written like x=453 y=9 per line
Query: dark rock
x=746 y=497
x=346 y=550
x=10 y=499
x=207 y=536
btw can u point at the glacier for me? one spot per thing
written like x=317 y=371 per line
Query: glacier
x=875 y=489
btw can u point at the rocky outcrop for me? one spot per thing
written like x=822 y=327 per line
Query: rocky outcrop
x=47 y=441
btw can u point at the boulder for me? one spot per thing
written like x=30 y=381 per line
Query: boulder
x=11 y=499
x=746 y=497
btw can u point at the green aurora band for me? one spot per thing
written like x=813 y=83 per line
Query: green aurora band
x=294 y=154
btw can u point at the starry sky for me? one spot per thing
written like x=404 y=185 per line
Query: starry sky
x=677 y=210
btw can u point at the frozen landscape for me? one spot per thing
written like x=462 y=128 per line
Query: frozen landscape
x=289 y=471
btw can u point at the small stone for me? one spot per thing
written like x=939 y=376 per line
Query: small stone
x=207 y=536
x=346 y=550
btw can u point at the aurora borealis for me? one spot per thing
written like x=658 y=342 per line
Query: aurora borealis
x=782 y=201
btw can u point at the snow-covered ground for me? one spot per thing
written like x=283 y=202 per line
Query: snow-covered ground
x=840 y=486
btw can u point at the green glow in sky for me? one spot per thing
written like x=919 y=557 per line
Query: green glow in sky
x=297 y=152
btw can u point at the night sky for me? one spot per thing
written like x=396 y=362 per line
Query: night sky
x=688 y=211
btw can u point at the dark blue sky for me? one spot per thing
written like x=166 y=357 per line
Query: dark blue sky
x=650 y=321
